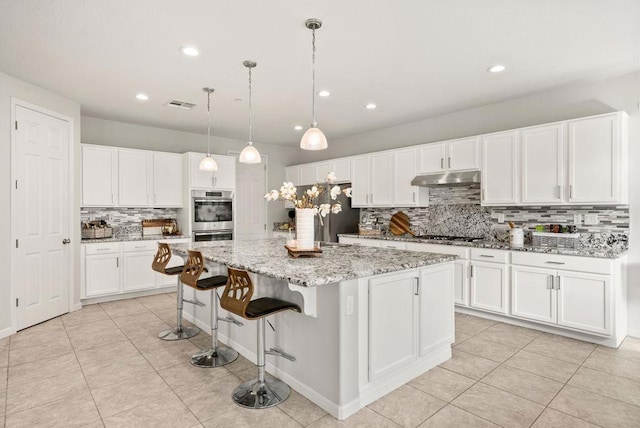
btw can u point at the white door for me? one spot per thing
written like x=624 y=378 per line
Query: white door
x=500 y=168
x=543 y=164
x=249 y=201
x=134 y=178
x=432 y=158
x=584 y=301
x=41 y=268
x=489 y=287
x=404 y=168
x=167 y=180
x=463 y=154
x=381 y=178
x=532 y=293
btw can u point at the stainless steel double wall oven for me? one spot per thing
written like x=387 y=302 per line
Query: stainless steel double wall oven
x=212 y=215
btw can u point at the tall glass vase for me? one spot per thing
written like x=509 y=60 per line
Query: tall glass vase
x=305 y=228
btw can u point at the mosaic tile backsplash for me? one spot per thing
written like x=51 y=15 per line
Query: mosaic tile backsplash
x=126 y=221
x=456 y=211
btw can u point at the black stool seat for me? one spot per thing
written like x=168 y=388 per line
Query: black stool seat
x=264 y=306
x=212 y=282
x=176 y=270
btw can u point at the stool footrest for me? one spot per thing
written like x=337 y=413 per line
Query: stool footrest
x=279 y=353
x=231 y=320
x=194 y=302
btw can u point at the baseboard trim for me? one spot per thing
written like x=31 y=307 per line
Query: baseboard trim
x=130 y=295
x=76 y=307
x=6 y=332
x=633 y=332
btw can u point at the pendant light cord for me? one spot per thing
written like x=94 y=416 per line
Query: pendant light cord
x=208 y=124
x=313 y=77
x=250 y=107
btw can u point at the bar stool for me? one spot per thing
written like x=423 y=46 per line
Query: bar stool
x=160 y=262
x=236 y=298
x=216 y=356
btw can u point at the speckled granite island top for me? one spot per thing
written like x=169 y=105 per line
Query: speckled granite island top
x=583 y=252
x=268 y=257
x=136 y=237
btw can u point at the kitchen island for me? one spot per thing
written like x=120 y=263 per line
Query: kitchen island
x=372 y=320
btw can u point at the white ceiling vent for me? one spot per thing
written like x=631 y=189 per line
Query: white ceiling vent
x=180 y=104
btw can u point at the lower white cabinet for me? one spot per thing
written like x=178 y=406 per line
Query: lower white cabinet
x=435 y=294
x=489 y=286
x=116 y=268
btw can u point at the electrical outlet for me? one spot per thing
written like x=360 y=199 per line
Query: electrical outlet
x=350 y=305
x=500 y=218
x=591 y=219
x=110 y=216
x=577 y=219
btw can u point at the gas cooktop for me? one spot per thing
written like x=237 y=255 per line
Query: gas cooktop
x=448 y=238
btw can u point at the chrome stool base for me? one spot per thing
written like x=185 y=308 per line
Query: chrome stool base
x=256 y=395
x=214 y=358
x=179 y=333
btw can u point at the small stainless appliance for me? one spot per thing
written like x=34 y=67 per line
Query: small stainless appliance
x=212 y=215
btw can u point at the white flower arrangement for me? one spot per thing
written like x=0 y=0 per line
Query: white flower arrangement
x=288 y=192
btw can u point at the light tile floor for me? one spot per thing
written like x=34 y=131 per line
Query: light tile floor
x=105 y=366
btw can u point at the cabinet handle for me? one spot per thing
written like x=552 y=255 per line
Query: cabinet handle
x=484 y=194
x=154 y=199
x=390 y=246
x=112 y=198
x=449 y=161
x=471 y=271
x=414 y=196
x=417 y=293
x=139 y=246
x=551 y=284
x=559 y=192
x=486 y=255
x=102 y=249
x=558 y=282
x=367 y=197
x=570 y=191
x=441 y=163
x=212 y=182
x=554 y=263
x=117 y=261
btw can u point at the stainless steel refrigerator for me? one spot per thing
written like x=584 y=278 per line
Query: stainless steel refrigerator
x=343 y=222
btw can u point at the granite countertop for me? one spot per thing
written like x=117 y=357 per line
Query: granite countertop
x=337 y=263
x=583 y=252
x=134 y=237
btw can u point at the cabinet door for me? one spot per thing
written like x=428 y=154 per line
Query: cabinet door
x=342 y=169
x=292 y=174
x=461 y=283
x=584 y=301
x=463 y=154
x=360 y=182
x=404 y=168
x=102 y=274
x=225 y=176
x=500 y=168
x=543 y=164
x=134 y=178
x=307 y=174
x=99 y=176
x=167 y=180
x=381 y=179
x=322 y=169
x=594 y=159
x=199 y=179
x=436 y=325
x=137 y=272
x=432 y=158
x=392 y=323
x=532 y=294
x=489 y=286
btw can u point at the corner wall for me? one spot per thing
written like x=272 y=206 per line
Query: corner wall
x=12 y=87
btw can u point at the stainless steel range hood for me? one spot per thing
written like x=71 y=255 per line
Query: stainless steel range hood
x=447 y=179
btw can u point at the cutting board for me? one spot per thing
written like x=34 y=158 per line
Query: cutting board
x=399 y=224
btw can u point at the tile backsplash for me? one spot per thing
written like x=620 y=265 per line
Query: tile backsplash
x=126 y=221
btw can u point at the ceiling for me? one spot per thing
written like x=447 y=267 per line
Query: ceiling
x=413 y=58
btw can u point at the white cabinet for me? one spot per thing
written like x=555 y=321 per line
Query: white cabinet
x=99 y=176
x=381 y=185
x=307 y=174
x=322 y=169
x=167 y=180
x=134 y=178
x=392 y=323
x=101 y=269
x=223 y=178
x=500 y=168
x=532 y=293
x=543 y=160
x=597 y=159
x=360 y=182
x=489 y=281
x=137 y=258
x=455 y=155
x=342 y=169
x=292 y=174
x=435 y=290
x=405 y=163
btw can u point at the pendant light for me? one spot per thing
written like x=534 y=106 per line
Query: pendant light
x=313 y=139
x=208 y=163
x=249 y=154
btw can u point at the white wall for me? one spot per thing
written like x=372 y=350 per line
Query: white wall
x=12 y=87
x=120 y=134
x=566 y=102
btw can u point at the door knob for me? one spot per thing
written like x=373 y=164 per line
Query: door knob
x=66 y=241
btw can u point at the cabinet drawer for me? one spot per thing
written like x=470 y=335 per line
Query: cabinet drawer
x=106 y=248
x=484 y=255
x=555 y=261
x=461 y=252
x=139 y=246
x=359 y=241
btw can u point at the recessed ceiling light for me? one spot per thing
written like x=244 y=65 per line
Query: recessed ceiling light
x=189 y=51
x=324 y=93
x=370 y=106
x=142 y=97
x=298 y=128
x=496 y=68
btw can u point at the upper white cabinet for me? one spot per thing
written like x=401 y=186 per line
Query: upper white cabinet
x=130 y=178
x=99 y=176
x=167 y=179
x=292 y=174
x=134 y=178
x=543 y=160
x=360 y=181
x=322 y=169
x=500 y=168
x=597 y=159
x=405 y=162
x=307 y=174
x=381 y=183
x=456 y=155
x=223 y=178
x=342 y=169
